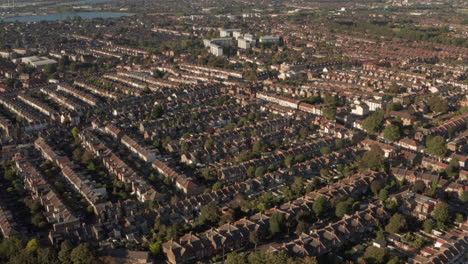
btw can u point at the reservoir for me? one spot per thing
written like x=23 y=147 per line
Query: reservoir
x=63 y=16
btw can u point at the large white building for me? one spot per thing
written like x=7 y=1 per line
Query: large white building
x=269 y=39
x=37 y=62
x=243 y=43
x=228 y=32
x=216 y=49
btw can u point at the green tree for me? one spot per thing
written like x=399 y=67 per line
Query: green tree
x=289 y=161
x=10 y=175
x=342 y=208
x=419 y=186
x=257 y=147
x=373 y=159
x=235 y=258
x=254 y=238
x=276 y=223
x=251 y=171
x=459 y=218
x=75 y=131
x=33 y=245
x=155 y=249
x=375 y=255
x=436 y=146
x=329 y=112
x=298 y=186
x=438 y=104
x=392 y=132
x=441 y=214
x=339 y=143
x=464 y=196
x=64 y=254
x=209 y=214
x=217 y=186
x=91 y=166
x=321 y=206
x=376 y=186
x=304 y=132
x=209 y=143
x=427 y=226
x=396 y=224
x=260 y=171
x=394 y=260
x=206 y=173
x=325 y=150
x=83 y=254
x=373 y=122
x=383 y=194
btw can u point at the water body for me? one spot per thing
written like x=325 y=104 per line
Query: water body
x=62 y=16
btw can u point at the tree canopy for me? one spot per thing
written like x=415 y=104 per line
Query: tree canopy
x=436 y=146
x=392 y=132
x=373 y=122
x=373 y=159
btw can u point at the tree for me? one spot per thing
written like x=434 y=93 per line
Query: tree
x=276 y=223
x=329 y=112
x=217 y=186
x=32 y=245
x=464 y=196
x=251 y=171
x=289 y=161
x=375 y=255
x=155 y=248
x=254 y=238
x=376 y=186
x=299 y=158
x=10 y=175
x=436 y=146
x=46 y=256
x=383 y=194
x=235 y=258
x=157 y=112
x=373 y=122
x=373 y=159
x=10 y=247
x=82 y=254
x=184 y=147
x=396 y=224
x=304 y=132
x=441 y=213
x=394 y=260
x=438 y=104
x=75 y=131
x=257 y=147
x=330 y=100
x=392 y=132
x=339 y=143
x=301 y=227
x=459 y=218
x=427 y=226
x=65 y=252
x=91 y=166
x=209 y=214
x=325 y=150
x=209 y=143
x=320 y=206
x=342 y=208
x=206 y=173
x=260 y=171
x=298 y=186
x=453 y=168
x=419 y=186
